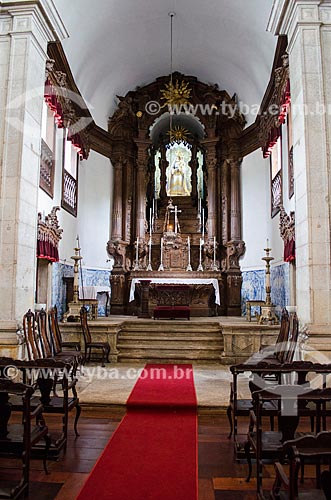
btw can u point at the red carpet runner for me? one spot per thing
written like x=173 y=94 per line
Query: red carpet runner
x=153 y=453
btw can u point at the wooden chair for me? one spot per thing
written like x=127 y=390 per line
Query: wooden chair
x=312 y=449
x=56 y=336
x=17 y=439
x=283 y=351
x=268 y=445
x=89 y=344
x=43 y=374
x=56 y=339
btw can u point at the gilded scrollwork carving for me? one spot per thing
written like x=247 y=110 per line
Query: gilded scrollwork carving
x=273 y=117
x=73 y=116
x=235 y=250
x=117 y=249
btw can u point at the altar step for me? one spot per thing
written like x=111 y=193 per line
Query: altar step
x=170 y=341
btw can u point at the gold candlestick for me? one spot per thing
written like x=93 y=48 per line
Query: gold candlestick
x=268 y=315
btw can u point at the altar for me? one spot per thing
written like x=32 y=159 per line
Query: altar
x=176 y=203
x=179 y=281
x=205 y=293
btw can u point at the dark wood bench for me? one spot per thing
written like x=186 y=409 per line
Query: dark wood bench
x=44 y=375
x=293 y=405
x=275 y=355
x=173 y=301
x=18 y=437
x=306 y=449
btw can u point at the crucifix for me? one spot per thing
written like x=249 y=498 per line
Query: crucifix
x=176 y=212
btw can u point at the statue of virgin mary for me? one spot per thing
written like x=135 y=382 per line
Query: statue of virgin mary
x=177 y=182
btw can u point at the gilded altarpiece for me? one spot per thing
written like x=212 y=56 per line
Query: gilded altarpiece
x=176 y=201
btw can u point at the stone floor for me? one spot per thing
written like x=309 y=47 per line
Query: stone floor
x=112 y=385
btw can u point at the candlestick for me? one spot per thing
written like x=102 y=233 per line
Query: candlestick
x=214 y=253
x=149 y=267
x=150 y=223
x=136 y=265
x=161 y=267
x=200 y=268
x=189 y=267
x=267 y=242
x=203 y=224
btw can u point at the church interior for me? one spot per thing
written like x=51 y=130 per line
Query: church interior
x=165 y=249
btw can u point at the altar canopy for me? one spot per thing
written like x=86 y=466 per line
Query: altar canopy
x=176 y=200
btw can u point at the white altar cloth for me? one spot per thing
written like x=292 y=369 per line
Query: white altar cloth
x=90 y=292
x=179 y=281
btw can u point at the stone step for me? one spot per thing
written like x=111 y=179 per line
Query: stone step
x=170 y=341
x=169 y=338
x=149 y=354
x=161 y=329
x=172 y=360
x=174 y=346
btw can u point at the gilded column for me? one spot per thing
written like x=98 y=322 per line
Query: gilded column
x=194 y=167
x=141 y=187
x=225 y=201
x=116 y=233
x=211 y=162
x=163 y=168
x=235 y=200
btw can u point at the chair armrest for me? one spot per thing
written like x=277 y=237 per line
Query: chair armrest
x=280 y=475
x=39 y=409
x=252 y=421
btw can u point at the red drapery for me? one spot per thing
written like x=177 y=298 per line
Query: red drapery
x=289 y=251
x=274 y=133
x=54 y=104
x=47 y=250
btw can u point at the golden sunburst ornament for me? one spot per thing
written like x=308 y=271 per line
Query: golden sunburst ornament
x=178 y=134
x=176 y=94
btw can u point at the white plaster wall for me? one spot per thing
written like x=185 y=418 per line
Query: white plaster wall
x=94 y=210
x=255 y=208
x=257 y=223
x=67 y=222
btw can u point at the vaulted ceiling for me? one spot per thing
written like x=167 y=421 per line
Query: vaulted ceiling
x=117 y=45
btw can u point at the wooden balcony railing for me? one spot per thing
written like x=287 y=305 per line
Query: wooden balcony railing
x=69 y=193
x=276 y=193
x=47 y=169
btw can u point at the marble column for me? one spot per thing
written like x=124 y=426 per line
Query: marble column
x=308 y=27
x=116 y=232
x=25 y=30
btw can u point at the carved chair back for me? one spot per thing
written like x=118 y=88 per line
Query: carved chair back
x=85 y=327
x=31 y=340
x=42 y=329
x=283 y=336
x=293 y=339
x=54 y=330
